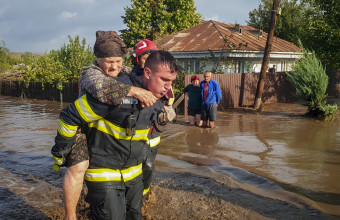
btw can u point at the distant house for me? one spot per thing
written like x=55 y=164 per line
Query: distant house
x=227 y=48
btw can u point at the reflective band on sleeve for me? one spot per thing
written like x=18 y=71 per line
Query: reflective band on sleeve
x=154 y=142
x=171 y=101
x=66 y=129
x=118 y=132
x=85 y=110
x=100 y=175
x=145 y=191
x=58 y=161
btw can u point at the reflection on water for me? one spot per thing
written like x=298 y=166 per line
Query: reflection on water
x=293 y=153
x=27 y=125
x=267 y=151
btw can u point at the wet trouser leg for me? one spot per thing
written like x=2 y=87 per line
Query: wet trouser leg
x=134 y=196
x=148 y=168
x=110 y=203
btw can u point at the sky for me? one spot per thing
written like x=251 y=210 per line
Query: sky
x=39 y=26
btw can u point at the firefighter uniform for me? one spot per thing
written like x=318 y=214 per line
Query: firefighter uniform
x=116 y=139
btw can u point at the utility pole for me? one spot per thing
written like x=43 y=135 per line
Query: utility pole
x=266 y=56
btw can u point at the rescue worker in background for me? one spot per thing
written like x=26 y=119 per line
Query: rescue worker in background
x=116 y=137
x=98 y=80
x=211 y=97
x=140 y=54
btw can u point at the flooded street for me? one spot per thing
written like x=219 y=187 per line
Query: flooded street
x=272 y=151
x=273 y=155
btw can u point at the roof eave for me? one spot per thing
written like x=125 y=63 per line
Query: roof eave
x=234 y=54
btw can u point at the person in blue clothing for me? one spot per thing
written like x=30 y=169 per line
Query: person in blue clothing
x=211 y=97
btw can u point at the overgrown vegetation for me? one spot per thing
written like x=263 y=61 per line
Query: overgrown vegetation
x=56 y=67
x=154 y=19
x=315 y=22
x=311 y=81
x=4 y=58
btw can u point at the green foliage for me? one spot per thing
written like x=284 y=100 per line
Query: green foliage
x=179 y=83
x=57 y=67
x=154 y=19
x=315 y=22
x=182 y=15
x=221 y=62
x=323 y=31
x=310 y=81
x=4 y=57
x=74 y=57
x=248 y=67
x=46 y=69
x=290 y=24
x=203 y=65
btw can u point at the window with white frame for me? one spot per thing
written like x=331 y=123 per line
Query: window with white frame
x=239 y=67
x=191 y=66
x=283 y=66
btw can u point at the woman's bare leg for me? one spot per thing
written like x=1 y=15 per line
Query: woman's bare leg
x=72 y=186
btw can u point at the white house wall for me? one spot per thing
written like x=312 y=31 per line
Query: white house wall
x=254 y=64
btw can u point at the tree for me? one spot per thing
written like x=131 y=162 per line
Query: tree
x=290 y=24
x=4 y=57
x=182 y=15
x=310 y=81
x=154 y=19
x=59 y=66
x=323 y=31
x=315 y=22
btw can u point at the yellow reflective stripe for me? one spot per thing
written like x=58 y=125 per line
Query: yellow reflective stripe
x=100 y=175
x=66 y=129
x=85 y=110
x=145 y=191
x=171 y=101
x=132 y=172
x=118 y=132
x=58 y=160
x=154 y=142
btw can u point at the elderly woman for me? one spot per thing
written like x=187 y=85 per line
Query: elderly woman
x=195 y=100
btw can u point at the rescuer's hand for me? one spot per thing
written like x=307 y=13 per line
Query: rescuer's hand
x=58 y=162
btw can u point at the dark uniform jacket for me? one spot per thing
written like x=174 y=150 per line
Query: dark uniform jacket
x=116 y=134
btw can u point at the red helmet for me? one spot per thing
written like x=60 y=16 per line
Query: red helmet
x=144 y=46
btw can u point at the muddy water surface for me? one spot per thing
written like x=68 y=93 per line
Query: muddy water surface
x=270 y=151
x=266 y=152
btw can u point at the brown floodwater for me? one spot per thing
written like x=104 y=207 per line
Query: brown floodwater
x=268 y=152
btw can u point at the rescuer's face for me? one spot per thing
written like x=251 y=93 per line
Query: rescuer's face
x=159 y=81
x=111 y=65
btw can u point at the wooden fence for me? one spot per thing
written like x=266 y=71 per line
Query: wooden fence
x=35 y=90
x=238 y=89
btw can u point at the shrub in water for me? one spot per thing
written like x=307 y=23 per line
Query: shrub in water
x=311 y=81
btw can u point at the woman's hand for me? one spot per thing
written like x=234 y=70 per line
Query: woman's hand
x=144 y=96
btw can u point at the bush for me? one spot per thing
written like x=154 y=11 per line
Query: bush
x=46 y=69
x=74 y=56
x=311 y=81
x=178 y=83
x=4 y=58
x=58 y=66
